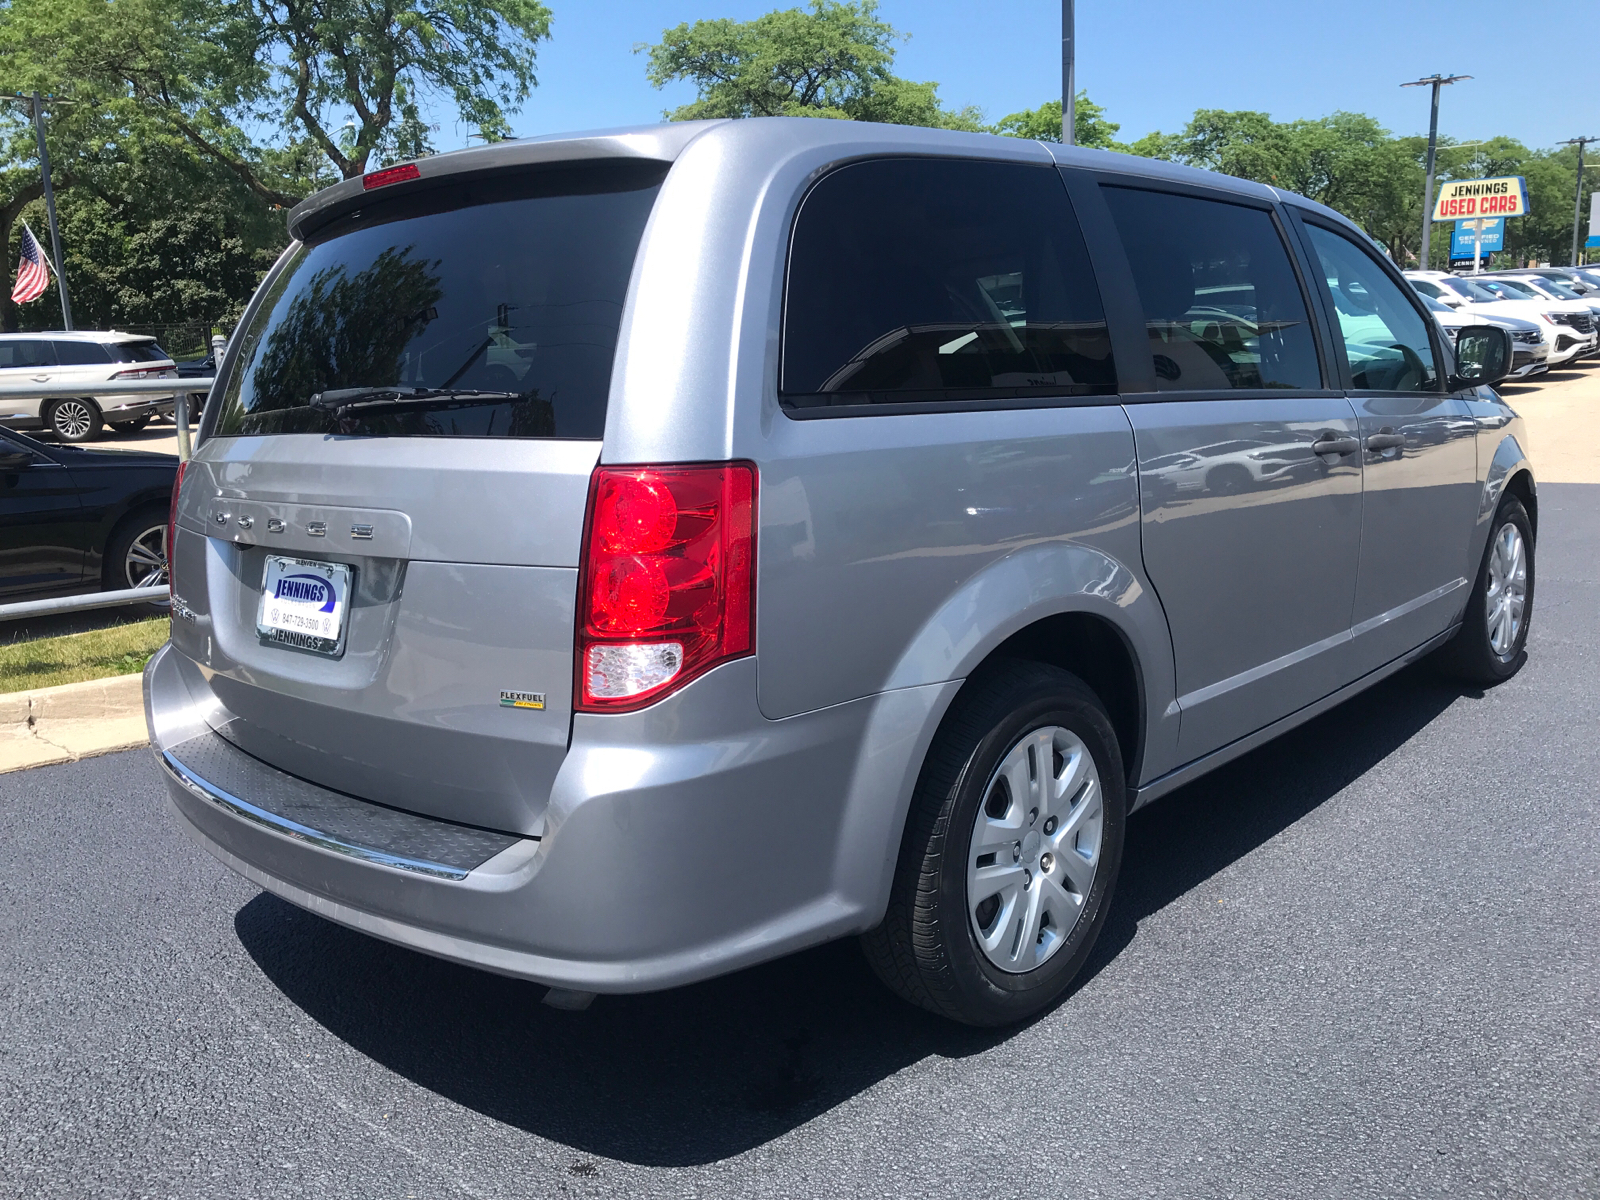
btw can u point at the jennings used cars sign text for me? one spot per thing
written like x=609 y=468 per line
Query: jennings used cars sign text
x=1503 y=197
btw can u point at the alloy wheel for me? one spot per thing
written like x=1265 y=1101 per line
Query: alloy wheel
x=1035 y=849
x=72 y=419
x=1508 y=590
x=145 y=564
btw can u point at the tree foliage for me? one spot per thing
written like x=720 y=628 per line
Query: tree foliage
x=833 y=58
x=1089 y=125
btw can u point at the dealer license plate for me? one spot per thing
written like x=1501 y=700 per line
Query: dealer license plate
x=303 y=604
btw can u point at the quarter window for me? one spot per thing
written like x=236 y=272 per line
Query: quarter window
x=1385 y=338
x=1222 y=306
x=937 y=280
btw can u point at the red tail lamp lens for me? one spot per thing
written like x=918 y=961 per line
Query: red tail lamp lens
x=172 y=527
x=668 y=587
x=390 y=175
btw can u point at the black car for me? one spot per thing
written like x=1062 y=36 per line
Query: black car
x=76 y=520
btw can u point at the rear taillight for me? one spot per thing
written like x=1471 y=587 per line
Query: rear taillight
x=147 y=373
x=667 y=587
x=172 y=529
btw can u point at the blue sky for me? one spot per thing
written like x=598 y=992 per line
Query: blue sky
x=1151 y=64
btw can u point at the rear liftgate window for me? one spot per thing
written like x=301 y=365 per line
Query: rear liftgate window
x=487 y=308
x=927 y=280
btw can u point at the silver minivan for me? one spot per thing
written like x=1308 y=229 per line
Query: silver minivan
x=617 y=559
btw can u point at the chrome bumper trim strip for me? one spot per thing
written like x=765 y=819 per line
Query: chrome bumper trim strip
x=300 y=833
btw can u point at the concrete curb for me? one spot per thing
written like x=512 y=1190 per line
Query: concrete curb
x=73 y=721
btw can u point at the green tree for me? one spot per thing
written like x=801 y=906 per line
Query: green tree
x=341 y=76
x=833 y=58
x=1089 y=125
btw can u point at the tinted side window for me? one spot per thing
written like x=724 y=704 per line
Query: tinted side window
x=937 y=279
x=1385 y=337
x=80 y=354
x=26 y=354
x=1221 y=302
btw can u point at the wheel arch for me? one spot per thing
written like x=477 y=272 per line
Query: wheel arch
x=1066 y=604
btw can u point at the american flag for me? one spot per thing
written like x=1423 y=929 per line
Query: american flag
x=32 y=274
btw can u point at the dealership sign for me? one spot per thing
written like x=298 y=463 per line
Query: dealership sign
x=1464 y=198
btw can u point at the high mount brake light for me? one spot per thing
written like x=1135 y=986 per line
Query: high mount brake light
x=390 y=175
x=172 y=529
x=667 y=589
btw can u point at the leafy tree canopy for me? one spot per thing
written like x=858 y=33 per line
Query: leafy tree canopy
x=1089 y=125
x=833 y=58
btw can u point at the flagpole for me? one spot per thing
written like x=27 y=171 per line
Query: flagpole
x=50 y=209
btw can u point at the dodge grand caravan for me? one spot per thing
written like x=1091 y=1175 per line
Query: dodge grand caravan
x=614 y=560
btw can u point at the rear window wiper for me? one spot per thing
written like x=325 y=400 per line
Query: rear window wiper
x=342 y=401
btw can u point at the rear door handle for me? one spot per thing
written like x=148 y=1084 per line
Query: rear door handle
x=1385 y=441
x=1330 y=444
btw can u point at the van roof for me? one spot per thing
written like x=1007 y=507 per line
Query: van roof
x=665 y=142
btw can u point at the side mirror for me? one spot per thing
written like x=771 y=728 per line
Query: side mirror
x=1483 y=356
x=15 y=460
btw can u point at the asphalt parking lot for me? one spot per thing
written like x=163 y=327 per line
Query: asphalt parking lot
x=1361 y=962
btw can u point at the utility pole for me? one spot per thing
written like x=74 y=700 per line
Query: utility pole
x=50 y=210
x=1436 y=81
x=1577 y=201
x=1069 y=88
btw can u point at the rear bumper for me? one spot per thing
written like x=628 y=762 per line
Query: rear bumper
x=125 y=408
x=683 y=841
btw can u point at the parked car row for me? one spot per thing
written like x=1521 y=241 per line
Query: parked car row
x=1552 y=313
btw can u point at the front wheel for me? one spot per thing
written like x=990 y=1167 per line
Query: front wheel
x=1011 y=850
x=74 y=419
x=1490 y=646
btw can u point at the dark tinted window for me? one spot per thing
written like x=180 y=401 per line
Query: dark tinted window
x=137 y=352
x=20 y=353
x=930 y=279
x=511 y=288
x=1385 y=338
x=81 y=354
x=1221 y=303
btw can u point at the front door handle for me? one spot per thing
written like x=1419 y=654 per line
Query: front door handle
x=1385 y=441
x=1331 y=444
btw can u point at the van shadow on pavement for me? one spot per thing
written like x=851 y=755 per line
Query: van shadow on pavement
x=706 y=1072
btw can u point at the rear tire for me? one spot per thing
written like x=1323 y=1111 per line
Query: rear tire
x=136 y=556
x=1491 y=645
x=74 y=419
x=968 y=934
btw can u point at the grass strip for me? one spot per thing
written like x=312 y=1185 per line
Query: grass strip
x=98 y=654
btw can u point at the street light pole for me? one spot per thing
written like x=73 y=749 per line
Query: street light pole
x=1436 y=81
x=50 y=211
x=1069 y=90
x=1577 y=201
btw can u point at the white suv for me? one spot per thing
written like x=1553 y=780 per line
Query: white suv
x=88 y=358
x=1483 y=295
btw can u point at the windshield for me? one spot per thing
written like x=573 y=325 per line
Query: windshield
x=1562 y=290
x=506 y=293
x=1510 y=290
